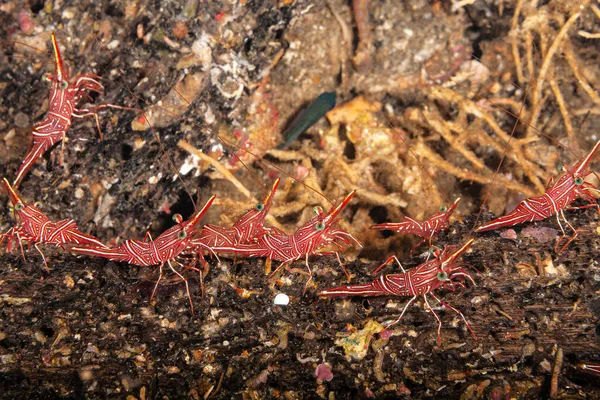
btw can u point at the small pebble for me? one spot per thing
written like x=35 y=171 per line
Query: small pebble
x=11 y=134
x=113 y=45
x=190 y=8
x=132 y=9
x=69 y=282
x=323 y=372
x=40 y=337
x=22 y=120
x=140 y=31
x=528 y=350
x=86 y=375
x=25 y=22
x=8 y=7
x=201 y=48
x=197 y=354
x=180 y=30
x=281 y=299
x=69 y=13
x=509 y=234
x=154 y=179
x=386 y=334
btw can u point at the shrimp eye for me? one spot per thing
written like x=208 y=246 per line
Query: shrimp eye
x=318 y=210
x=19 y=206
x=443 y=208
x=64 y=85
x=578 y=181
x=38 y=204
x=182 y=235
x=442 y=276
x=319 y=226
x=177 y=218
x=259 y=206
x=431 y=250
x=48 y=77
x=560 y=168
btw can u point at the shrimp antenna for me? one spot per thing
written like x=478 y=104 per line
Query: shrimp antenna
x=416 y=157
x=512 y=132
x=271 y=165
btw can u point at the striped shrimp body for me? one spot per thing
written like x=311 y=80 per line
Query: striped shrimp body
x=246 y=230
x=64 y=97
x=427 y=229
x=36 y=228
x=309 y=239
x=556 y=200
x=443 y=272
x=163 y=250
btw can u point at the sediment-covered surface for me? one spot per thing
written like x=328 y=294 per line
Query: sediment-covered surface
x=440 y=83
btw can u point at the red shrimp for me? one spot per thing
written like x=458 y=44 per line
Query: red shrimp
x=556 y=200
x=443 y=272
x=64 y=97
x=36 y=228
x=246 y=230
x=426 y=229
x=163 y=250
x=307 y=240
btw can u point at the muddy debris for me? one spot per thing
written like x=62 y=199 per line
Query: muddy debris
x=434 y=101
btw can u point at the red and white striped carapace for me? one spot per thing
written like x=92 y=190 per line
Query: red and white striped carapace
x=246 y=230
x=309 y=239
x=426 y=229
x=163 y=250
x=36 y=228
x=443 y=272
x=62 y=107
x=556 y=200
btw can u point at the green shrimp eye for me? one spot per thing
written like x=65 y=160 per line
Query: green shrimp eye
x=442 y=276
x=38 y=204
x=19 y=206
x=182 y=235
x=47 y=78
x=560 y=168
x=177 y=218
x=319 y=226
x=64 y=85
x=431 y=250
x=578 y=181
x=259 y=206
x=317 y=210
x=443 y=208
